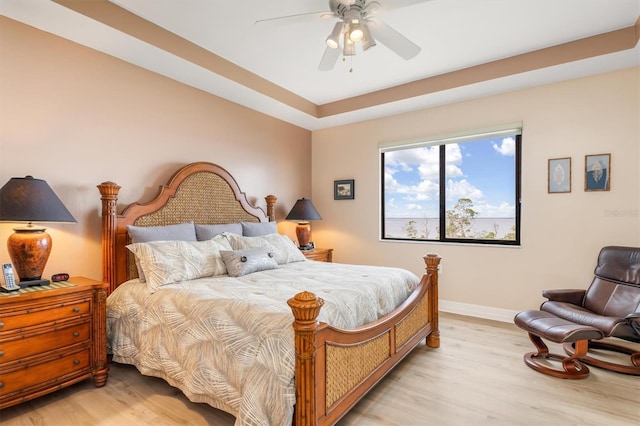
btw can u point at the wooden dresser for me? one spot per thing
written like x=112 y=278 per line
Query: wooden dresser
x=51 y=338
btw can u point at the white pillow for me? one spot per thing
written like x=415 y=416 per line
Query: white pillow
x=144 y=234
x=284 y=249
x=166 y=262
x=239 y=242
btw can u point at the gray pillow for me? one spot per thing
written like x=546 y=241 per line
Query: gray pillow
x=207 y=232
x=146 y=234
x=247 y=261
x=256 y=229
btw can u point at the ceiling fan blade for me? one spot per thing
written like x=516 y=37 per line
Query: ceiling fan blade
x=391 y=38
x=329 y=59
x=296 y=19
x=397 y=4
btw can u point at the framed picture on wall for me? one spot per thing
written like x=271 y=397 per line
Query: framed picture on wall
x=597 y=172
x=559 y=175
x=344 y=189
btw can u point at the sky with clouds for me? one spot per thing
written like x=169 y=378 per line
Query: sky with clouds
x=482 y=170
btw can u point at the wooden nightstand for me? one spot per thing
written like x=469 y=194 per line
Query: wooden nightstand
x=319 y=254
x=52 y=337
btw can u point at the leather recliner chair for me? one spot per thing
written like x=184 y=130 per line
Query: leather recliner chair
x=610 y=304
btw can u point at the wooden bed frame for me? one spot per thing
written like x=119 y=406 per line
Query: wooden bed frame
x=334 y=368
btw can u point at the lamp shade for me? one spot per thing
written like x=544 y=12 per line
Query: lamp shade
x=333 y=40
x=303 y=210
x=31 y=200
x=367 y=40
x=349 y=48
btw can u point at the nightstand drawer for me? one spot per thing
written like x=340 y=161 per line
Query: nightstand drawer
x=34 y=315
x=319 y=254
x=47 y=372
x=43 y=340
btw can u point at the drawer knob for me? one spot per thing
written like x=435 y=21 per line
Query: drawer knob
x=1 y=385
x=76 y=310
x=76 y=334
x=76 y=361
x=1 y=353
x=1 y=324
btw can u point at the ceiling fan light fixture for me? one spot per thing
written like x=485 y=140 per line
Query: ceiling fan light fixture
x=356 y=32
x=358 y=25
x=349 y=48
x=333 y=41
x=367 y=40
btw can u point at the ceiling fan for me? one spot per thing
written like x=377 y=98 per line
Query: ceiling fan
x=357 y=24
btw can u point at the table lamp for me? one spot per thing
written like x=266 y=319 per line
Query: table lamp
x=30 y=200
x=303 y=211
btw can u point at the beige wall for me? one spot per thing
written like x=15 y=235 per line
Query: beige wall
x=76 y=118
x=561 y=233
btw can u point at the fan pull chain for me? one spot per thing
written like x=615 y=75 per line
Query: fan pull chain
x=344 y=59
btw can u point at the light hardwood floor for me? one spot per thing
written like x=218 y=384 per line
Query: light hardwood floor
x=476 y=377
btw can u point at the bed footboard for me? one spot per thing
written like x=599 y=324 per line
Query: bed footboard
x=336 y=368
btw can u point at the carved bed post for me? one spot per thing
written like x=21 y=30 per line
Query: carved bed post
x=109 y=196
x=271 y=203
x=101 y=370
x=306 y=308
x=432 y=261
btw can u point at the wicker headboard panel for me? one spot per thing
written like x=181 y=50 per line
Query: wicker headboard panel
x=203 y=197
x=202 y=192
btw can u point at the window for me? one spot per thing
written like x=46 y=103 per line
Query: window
x=460 y=188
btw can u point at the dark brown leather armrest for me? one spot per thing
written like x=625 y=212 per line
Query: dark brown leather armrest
x=573 y=296
x=634 y=320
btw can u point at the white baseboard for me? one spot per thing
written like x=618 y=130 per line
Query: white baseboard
x=478 y=311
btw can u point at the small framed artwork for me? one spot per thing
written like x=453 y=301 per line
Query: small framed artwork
x=559 y=175
x=597 y=172
x=344 y=189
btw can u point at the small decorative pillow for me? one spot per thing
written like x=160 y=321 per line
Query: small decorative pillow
x=166 y=262
x=247 y=261
x=206 y=232
x=255 y=229
x=284 y=249
x=144 y=234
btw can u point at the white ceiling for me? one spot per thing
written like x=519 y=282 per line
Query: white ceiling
x=453 y=35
